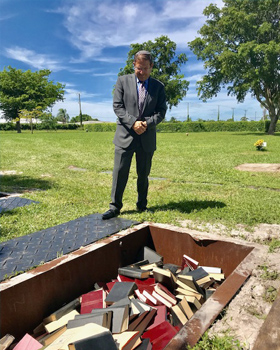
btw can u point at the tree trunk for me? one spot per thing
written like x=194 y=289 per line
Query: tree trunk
x=273 y=121
x=18 y=127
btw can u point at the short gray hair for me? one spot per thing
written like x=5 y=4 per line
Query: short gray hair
x=146 y=55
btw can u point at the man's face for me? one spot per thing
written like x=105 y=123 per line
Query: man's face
x=142 y=69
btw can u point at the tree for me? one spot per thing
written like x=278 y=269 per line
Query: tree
x=166 y=67
x=85 y=118
x=35 y=113
x=240 y=47
x=27 y=90
x=48 y=121
x=62 y=116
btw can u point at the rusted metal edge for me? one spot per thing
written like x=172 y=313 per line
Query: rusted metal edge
x=270 y=331
x=210 y=310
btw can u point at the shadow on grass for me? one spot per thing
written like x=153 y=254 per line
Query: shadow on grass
x=183 y=206
x=21 y=184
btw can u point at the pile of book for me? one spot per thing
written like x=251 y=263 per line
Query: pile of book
x=143 y=308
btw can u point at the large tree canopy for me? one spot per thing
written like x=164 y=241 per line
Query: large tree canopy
x=240 y=45
x=166 y=67
x=27 y=90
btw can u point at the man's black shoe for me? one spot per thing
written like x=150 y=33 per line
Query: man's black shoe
x=141 y=210
x=111 y=213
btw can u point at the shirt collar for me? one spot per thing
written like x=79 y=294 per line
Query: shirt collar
x=145 y=81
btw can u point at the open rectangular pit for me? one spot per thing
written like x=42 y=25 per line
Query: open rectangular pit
x=28 y=298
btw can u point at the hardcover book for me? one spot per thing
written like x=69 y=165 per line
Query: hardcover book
x=165 y=293
x=72 y=337
x=6 y=341
x=28 y=343
x=92 y=300
x=127 y=340
x=191 y=300
x=160 y=335
x=161 y=300
x=160 y=317
x=178 y=316
x=119 y=291
x=102 y=319
x=187 y=261
x=185 y=307
x=133 y=272
x=151 y=298
x=145 y=345
x=188 y=293
x=197 y=274
x=146 y=321
x=175 y=269
x=50 y=337
x=101 y=341
x=120 y=318
x=165 y=277
x=149 y=254
x=62 y=311
x=53 y=326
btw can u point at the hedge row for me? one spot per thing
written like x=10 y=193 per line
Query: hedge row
x=251 y=126
x=41 y=126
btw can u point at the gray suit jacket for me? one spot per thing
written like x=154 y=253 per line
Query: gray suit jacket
x=125 y=106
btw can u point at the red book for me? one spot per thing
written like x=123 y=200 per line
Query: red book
x=189 y=262
x=160 y=317
x=28 y=343
x=160 y=335
x=122 y=278
x=148 y=294
x=110 y=285
x=148 y=287
x=92 y=300
x=147 y=282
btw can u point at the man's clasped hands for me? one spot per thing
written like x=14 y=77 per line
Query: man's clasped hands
x=139 y=127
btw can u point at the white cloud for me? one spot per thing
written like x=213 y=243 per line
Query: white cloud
x=182 y=9
x=195 y=77
x=106 y=74
x=36 y=60
x=93 y=26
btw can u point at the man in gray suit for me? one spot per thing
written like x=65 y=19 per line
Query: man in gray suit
x=140 y=104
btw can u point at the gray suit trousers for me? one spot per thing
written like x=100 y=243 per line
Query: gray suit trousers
x=122 y=163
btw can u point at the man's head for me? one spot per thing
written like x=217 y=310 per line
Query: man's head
x=143 y=64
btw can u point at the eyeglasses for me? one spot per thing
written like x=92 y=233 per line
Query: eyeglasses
x=142 y=69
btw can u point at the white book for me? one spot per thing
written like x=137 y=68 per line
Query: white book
x=161 y=299
x=211 y=269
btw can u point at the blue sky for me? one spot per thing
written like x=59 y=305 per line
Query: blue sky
x=85 y=43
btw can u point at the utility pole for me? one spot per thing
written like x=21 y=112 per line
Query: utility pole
x=188 y=117
x=232 y=114
x=81 y=116
x=245 y=110
x=218 y=113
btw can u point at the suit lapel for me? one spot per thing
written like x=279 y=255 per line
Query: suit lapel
x=133 y=87
x=148 y=95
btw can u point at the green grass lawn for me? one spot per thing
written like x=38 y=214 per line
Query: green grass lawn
x=193 y=178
